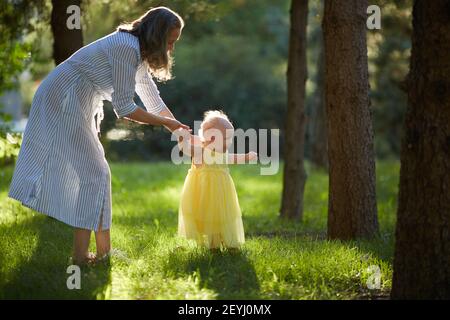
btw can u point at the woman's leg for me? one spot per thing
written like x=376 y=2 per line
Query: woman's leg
x=81 y=239
x=103 y=241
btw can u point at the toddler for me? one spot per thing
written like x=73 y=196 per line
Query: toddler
x=209 y=209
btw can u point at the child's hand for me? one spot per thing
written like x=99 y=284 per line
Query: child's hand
x=182 y=135
x=252 y=156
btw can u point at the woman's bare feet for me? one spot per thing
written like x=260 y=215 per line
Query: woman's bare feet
x=87 y=260
x=81 y=254
x=104 y=260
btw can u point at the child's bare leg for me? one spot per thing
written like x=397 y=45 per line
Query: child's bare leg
x=103 y=241
x=81 y=239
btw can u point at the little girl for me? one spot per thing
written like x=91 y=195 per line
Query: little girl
x=209 y=210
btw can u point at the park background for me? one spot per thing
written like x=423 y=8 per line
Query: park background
x=233 y=55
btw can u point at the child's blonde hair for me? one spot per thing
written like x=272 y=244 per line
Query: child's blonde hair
x=217 y=118
x=213 y=114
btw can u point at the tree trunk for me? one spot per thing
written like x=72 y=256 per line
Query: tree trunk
x=352 y=200
x=65 y=41
x=319 y=142
x=422 y=249
x=294 y=171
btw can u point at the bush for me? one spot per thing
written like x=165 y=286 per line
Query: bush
x=9 y=143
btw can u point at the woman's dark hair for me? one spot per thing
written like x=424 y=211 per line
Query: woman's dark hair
x=153 y=30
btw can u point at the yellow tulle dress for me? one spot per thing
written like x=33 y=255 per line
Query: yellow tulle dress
x=209 y=211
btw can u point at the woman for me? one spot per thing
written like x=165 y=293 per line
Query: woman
x=61 y=170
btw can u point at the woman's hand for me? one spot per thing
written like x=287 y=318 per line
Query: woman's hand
x=174 y=124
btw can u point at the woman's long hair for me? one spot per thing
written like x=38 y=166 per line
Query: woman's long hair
x=153 y=30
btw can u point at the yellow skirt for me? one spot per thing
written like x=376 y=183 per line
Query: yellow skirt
x=209 y=208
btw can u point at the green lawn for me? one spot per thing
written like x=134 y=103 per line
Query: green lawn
x=280 y=260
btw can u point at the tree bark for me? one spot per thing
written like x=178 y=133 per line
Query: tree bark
x=422 y=249
x=352 y=198
x=294 y=175
x=65 y=41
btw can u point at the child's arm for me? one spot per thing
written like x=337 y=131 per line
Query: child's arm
x=240 y=158
x=195 y=140
x=187 y=142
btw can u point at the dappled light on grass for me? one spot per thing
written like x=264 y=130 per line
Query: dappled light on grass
x=280 y=259
x=35 y=255
x=306 y=268
x=231 y=274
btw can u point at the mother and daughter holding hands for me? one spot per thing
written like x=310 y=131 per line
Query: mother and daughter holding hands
x=61 y=170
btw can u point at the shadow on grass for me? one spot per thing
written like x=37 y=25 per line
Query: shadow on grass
x=230 y=274
x=380 y=250
x=42 y=273
x=381 y=246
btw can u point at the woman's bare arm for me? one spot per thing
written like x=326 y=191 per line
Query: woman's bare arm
x=166 y=113
x=144 y=117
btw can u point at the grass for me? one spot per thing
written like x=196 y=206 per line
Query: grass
x=280 y=260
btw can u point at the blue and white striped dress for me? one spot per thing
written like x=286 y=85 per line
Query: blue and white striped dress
x=61 y=170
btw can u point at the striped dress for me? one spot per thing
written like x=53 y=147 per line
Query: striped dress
x=61 y=170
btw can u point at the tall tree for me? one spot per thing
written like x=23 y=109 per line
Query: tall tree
x=422 y=250
x=294 y=170
x=352 y=201
x=65 y=41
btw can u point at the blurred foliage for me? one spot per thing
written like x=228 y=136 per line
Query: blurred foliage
x=232 y=56
x=9 y=147
x=314 y=51
x=17 y=19
x=389 y=53
x=9 y=142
